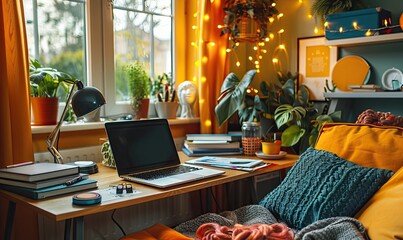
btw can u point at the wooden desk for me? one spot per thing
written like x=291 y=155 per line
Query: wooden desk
x=61 y=208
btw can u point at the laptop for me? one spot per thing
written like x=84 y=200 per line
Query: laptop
x=145 y=152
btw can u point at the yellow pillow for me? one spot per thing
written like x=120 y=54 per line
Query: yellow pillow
x=364 y=144
x=382 y=215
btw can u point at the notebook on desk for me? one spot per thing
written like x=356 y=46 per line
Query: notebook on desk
x=145 y=152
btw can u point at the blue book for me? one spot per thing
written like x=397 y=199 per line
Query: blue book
x=214 y=152
x=51 y=191
x=217 y=136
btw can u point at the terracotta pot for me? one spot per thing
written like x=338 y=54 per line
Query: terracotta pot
x=143 y=109
x=44 y=110
x=166 y=109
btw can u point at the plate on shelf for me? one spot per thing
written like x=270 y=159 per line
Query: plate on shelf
x=350 y=70
x=392 y=79
x=281 y=155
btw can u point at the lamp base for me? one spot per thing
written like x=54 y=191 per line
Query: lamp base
x=88 y=167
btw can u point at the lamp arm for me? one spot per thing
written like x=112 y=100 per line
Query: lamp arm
x=51 y=139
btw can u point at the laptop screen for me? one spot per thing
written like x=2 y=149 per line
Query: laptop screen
x=141 y=145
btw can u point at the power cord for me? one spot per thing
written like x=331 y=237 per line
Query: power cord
x=116 y=222
x=215 y=200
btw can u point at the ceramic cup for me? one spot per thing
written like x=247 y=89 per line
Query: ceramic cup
x=271 y=148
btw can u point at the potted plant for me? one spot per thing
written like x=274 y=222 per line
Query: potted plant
x=321 y=8
x=139 y=86
x=240 y=12
x=281 y=108
x=44 y=84
x=164 y=93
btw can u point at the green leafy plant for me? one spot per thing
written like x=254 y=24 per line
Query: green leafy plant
x=45 y=81
x=285 y=108
x=139 y=83
x=163 y=88
x=321 y=8
x=260 y=11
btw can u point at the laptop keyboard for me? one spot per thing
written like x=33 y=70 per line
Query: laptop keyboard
x=165 y=172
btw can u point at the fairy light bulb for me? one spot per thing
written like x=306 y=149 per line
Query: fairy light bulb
x=316 y=30
x=257 y=70
x=275 y=60
x=368 y=33
x=280 y=15
x=255 y=48
x=219 y=26
x=206 y=17
x=263 y=51
x=271 y=19
x=341 y=29
x=228 y=50
x=238 y=64
x=273 y=4
x=281 y=46
x=260 y=57
x=280 y=31
x=355 y=25
x=309 y=16
x=271 y=35
x=250 y=58
x=237 y=44
x=326 y=24
x=267 y=39
x=194 y=27
x=256 y=62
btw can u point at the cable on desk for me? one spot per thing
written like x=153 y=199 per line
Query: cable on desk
x=117 y=224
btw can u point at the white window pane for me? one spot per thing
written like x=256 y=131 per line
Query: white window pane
x=129 y=4
x=159 y=6
x=132 y=42
x=56 y=34
x=162 y=45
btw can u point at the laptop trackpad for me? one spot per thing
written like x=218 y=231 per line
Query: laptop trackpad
x=187 y=176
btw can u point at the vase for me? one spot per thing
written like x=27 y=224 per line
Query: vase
x=166 y=109
x=44 y=110
x=142 y=111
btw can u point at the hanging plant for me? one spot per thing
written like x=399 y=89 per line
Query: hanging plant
x=321 y=8
x=259 y=11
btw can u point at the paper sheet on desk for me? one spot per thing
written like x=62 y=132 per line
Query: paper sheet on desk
x=231 y=163
x=109 y=194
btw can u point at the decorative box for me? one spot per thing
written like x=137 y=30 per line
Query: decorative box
x=359 y=23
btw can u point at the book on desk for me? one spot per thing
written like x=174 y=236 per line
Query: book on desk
x=32 y=172
x=212 y=144
x=43 y=183
x=56 y=190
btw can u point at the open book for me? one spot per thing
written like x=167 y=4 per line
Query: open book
x=231 y=163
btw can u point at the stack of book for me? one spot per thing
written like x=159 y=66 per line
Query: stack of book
x=366 y=88
x=212 y=144
x=43 y=180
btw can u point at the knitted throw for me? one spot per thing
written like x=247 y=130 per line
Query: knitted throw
x=322 y=185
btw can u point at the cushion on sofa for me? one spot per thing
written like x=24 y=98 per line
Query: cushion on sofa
x=156 y=232
x=382 y=214
x=322 y=185
x=366 y=145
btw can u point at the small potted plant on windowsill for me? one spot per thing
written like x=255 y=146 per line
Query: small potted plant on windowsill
x=44 y=84
x=164 y=93
x=139 y=86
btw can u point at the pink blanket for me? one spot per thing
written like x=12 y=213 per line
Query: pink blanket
x=214 y=231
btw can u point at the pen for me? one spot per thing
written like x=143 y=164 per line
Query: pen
x=19 y=164
x=74 y=180
x=239 y=162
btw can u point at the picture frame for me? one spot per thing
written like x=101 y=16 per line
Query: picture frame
x=315 y=64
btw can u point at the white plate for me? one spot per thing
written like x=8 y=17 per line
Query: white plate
x=281 y=155
x=390 y=76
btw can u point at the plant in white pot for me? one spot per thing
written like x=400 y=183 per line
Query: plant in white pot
x=163 y=89
x=44 y=84
x=139 y=86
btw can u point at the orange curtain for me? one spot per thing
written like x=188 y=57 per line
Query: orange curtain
x=15 y=134
x=212 y=62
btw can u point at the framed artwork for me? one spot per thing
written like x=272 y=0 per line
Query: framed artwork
x=315 y=64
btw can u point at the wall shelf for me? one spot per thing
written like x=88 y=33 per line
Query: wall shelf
x=378 y=95
x=392 y=37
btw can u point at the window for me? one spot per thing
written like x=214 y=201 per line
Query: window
x=57 y=35
x=94 y=40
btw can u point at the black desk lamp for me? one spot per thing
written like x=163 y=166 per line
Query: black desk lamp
x=85 y=100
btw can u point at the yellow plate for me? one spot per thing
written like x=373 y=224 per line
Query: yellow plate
x=350 y=70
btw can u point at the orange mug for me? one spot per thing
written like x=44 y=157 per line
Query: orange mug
x=271 y=148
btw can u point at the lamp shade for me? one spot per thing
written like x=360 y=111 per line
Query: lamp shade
x=86 y=100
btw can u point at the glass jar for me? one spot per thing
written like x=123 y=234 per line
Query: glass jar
x=251 y=137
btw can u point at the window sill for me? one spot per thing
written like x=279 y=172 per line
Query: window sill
x=82 y=126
